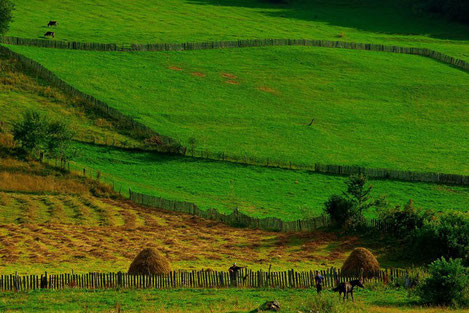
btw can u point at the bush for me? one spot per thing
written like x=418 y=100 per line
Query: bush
x=403 y=222
x=6 y=8
x=339 y=209
x=447 y=284
x=446 y=234
x=39 y=136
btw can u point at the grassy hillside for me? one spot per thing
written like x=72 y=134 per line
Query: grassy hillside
x=388 y=21
x=258 y=191
x=20 y=92
x=57 y=222
x=371 y=109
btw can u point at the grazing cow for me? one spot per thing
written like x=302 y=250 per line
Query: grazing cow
x=49 y=34
x=52 y=23
x=347 y=287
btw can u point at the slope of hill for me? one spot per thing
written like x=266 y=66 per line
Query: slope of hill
x=370 y=109
x=20 y=92
x=389 y=21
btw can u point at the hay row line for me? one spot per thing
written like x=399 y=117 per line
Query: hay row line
x=236 y=218
x=183 y=279
x=234 y=44
x=124 y=121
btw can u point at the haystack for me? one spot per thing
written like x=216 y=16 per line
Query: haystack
x=149 y=262
x=360 y=259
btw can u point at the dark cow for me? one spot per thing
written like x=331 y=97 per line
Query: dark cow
x=52 y=23
x=347 y=287
x=49 y=34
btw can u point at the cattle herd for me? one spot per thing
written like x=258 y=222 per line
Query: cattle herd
x=49 y=33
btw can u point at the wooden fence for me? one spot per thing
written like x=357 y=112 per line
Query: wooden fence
x=236 y=218
x=104 y=109
x=171 y=146
x=343 y=170
x=184 y=279
x=235 y=44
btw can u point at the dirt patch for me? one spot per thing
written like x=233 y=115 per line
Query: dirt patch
x=175 y=68
x=228 y=75
x=232 y=82
x=267 y=89
x=198 y=74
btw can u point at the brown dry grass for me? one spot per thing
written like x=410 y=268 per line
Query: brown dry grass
x=63 y=225
x=29 y=183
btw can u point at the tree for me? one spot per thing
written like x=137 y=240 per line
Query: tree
x=6 y=8
x=359 y=193
x=339 y=209
x=39 y=136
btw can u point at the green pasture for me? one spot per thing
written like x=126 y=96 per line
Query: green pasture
x=371 y=109
x=204 y=300
x=373 y=299
x=396 y=22
x=258 y=191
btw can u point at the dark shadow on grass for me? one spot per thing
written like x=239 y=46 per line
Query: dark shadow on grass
x=397 y=17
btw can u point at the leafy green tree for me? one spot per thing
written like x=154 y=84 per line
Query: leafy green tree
x=339 y=209
x=359 y=192
x=6 y=8
x=39 y=136
x=448 y=284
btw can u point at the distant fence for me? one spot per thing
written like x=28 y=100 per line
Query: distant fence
x=234 y=44
x=236 y=218
x=124 y=120
x=344 y=170
x=183 y=279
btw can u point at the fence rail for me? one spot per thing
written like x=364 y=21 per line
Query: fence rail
x=343 y=170
x=184 y=279
x=236 y=218
x=235 y=44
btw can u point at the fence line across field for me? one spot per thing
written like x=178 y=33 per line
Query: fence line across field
x=130 y=123
x=343 y=170
x=235 y=44
x=236 y=218
x=185 y=279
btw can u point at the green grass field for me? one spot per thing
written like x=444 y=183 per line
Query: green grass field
x=388 y=22
x=205 y=300
x=370 y=108
x=257 y=191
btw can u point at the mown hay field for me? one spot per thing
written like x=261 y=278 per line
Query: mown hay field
x=59 y=225
x=143 y=21
x=370 y=109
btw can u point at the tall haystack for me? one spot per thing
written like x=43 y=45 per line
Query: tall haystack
x=360 y=259
x=149 y=262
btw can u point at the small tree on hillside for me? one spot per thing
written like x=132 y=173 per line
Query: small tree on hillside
x=359 y=192
x=6 y=8
x=39 y=137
